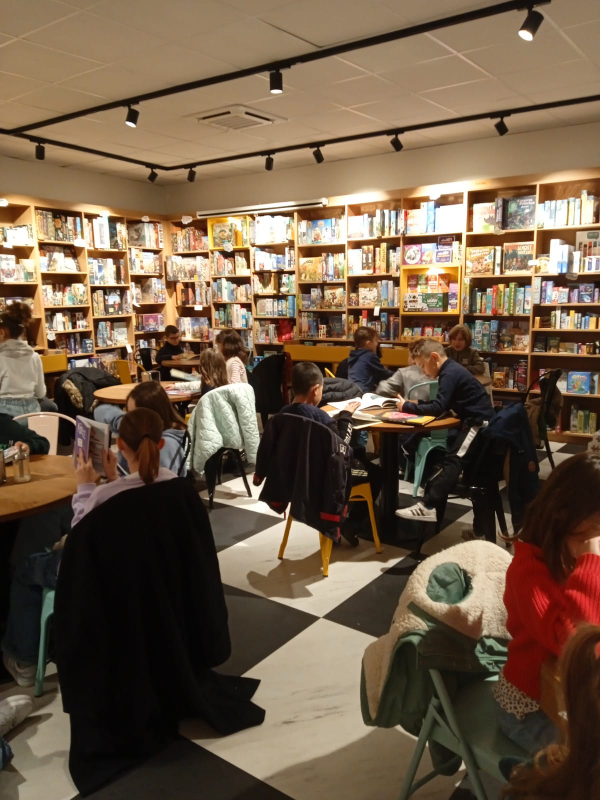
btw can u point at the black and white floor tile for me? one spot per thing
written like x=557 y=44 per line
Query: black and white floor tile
x=304 y=637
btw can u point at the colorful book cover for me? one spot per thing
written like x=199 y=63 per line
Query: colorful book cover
x=520 y=212
x=579 y=382
x=480 y=260
x=517 y=256
x=484 y=215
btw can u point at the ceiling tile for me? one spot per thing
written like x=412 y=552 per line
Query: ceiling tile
x=16 y=148
x=501 y=28
x=572 y=12
x=12 y=86
x=188 y=150
x=59 y=98
x=15 y=114
x=112 y=82
x=462 y=132
x=18 y=17
x=325 y=23
x=315 y=73
x=83 y=4
x=62 y=157
x=292 y=105
x=256 y=7
x=247 y=43
x=447 y=71
x=340 y=121
x=297 y=158
x=93 y=37
x=35 y=61
x=85 y=130
x=233 y=141
x=242 y=91
x=356 y=91
x=412 y=108
x=562 y=93
x=4 y=39
x=486 y=92
x=548 y=47
x=135 y=137
x=392 y=55
x=288 y=132
x=417 y=11
x=576 y=115
x=173 y=64
x=533 y=121
x=572 y=74
x=586 y=38
x=170 y=22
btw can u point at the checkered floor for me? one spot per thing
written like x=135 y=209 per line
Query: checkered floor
x=304 y=637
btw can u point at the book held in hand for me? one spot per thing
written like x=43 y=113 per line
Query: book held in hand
x=91 y=439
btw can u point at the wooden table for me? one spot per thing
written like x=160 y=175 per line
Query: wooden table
x=187 y=362
x=52 y=482
x=119 y=394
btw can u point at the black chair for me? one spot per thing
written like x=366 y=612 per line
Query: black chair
x=146 y=358
x=270 y=379
x=342 y=370
x=547 y=418
x=213 y=471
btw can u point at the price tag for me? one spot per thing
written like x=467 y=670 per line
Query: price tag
x=128 y=348
x=198 y=308
x=376 y=311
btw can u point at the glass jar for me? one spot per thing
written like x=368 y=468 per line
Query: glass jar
x=21 y=467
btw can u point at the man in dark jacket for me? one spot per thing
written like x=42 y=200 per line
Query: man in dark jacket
x=364 y=367
x=170 y=351
x=460 y=392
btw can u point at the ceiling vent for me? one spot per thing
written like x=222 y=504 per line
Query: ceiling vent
x=236 y=118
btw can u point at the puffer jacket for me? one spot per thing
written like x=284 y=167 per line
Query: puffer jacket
x=337 y=389
x=224 y=417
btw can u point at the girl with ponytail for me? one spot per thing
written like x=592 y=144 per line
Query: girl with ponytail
x=140 y=442
x=22 y=383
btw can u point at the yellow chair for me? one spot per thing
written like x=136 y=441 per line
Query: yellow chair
x=329 y=373
x=360 y=492
x=123 y=371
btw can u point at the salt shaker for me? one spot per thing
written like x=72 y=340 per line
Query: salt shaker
x=21 y=468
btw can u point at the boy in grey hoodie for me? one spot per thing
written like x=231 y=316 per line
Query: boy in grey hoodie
x=404 y=379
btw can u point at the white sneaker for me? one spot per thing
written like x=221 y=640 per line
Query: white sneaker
x=418 y=511
x=23 y=675
x=13 y=710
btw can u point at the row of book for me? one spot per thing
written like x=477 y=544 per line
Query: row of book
x=103 y=233
x=386 y=325
x=53 y=226
x=326 y=267
x=327 y=326
x=16 y=235
x=273 y=307
x=374 y=260
x=270 y=283
x=432 y=218
x=271 y=332
x=329 y=297
x=106 y=271
x=317 y=231
x=228 y=265
x=145 y=234
x=13 y=270
x=75 y=344
x=554 y=344
x=58 y=258
x=432 y=302
x=570 y=320
x=224 y=291
x=108 y=303
x=582 y=420
x=195 y=328
x=427 y=331
x=233 y=316
x=503 y=214
x=62 y=321
x=187 y=268
x=497 y=336
x=514 y=376
x=546 y=291
x=499 y=259
x=144 y=261
x=227 y=235
x=196 y=294
x=376 y=293
x=103 y=361
x=111 y=334
x=568 y=211
x=447 y=250
x=500 y=299
x=384 y=222
x=149 y=323
x=152 y=290
x=268 y=260
x=74 y=294
x=189 y=239
x=270 y=229
x=8 y=301
x=575 y=382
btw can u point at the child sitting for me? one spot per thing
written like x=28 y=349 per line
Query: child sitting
x=22 y=383
x=552 y=584
x=460 y=392
x=364 y=367
x=14 y=434
x=405 y=378
x=235 y=355
x=460 y=350
x=213 y=373
x=170 y=351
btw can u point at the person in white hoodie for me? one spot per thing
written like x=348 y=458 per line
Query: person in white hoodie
x=22 y=383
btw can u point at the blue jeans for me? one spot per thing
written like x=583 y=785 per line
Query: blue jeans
x=533 y=733
x=15 y=406
x=33 y=574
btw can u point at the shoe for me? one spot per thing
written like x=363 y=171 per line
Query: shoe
x=24 y=675
x=418 y=511
x=469 y=535
x=13 y=710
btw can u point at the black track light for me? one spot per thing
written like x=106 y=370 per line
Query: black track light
x=40 y=152
x=275 y=82
x=191 y=175
x=318 y=156
x=531 y=26
x=132 y=117
x=269 y=162
x=396 y=143
x=501 y=127
x=153 y=175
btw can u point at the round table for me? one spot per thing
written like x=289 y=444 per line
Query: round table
x=118 y=394
x=52 y=482
x=189 y=363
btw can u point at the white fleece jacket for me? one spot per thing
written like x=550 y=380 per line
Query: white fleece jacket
x=21 y=371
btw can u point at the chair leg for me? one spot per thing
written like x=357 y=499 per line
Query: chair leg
x=286 y=535
x=47 y=611
x=219 y=464
x=210 y=473
x=407 y=784
x=240 y=464
x=326 y=548
x=548 y=450
x=500 y=513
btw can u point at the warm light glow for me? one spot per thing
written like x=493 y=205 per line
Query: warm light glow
x=3 y=202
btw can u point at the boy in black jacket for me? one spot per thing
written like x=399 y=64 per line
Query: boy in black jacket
x=458 y=391
x=364 y=367
x=170 y=351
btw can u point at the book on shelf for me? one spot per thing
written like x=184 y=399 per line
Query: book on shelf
x=107 y=271
x=484 y=260
x=567 y=212
x=484 y=217
x=517 y=257
x=16 y=235
x=188 y=239
x=223 y=234
x=195 y=328
x=321 y=231
x=13 y=270
x=268 y=229
x=144 y=261
x=514 y=213
x=92 y=438
x=145 y=234
x=54 y=226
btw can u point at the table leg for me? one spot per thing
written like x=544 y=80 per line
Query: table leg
x=389 y=460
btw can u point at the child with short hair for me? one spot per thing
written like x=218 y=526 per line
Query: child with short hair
x=460 y=392
x=552 y=585
x=405 y=378
x=170 y=351
x=461 y=350
x=364 y=366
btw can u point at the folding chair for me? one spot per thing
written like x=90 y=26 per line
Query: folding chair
x=547 y=384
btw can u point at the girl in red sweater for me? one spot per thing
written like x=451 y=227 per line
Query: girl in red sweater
x=552 y=584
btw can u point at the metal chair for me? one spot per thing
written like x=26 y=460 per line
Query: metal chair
x=45 y=423
x=47 y=612
x=437 y=440
x=548 y=385
x=123 y=371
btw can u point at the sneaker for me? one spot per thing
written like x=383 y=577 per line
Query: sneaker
x=469 y=535
x=13 y=710
x=24 y=675
x=418 y=511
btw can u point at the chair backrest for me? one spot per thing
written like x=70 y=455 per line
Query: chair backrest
x=551 y=396
x=146 y=357
x=267 y=379
x=46 y=424
x=433 y=389
x=56 y=362
x=342 y=370
x=123 y=371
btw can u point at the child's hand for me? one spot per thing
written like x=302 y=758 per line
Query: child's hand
x=400 y=401
x=579 y=547
x=85 y=472
x=353 y=406
x=23 y=445
x=109 y=461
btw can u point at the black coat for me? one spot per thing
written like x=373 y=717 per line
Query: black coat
x=140 y=619
x=337 y=389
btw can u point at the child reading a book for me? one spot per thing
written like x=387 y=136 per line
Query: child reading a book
x=213 y=373
x=552 y=585
x=170 y=351
x=22 y=383
x=405 y=378
x=364 y=367
x=461 y=351
x=235 y=355
x=460 y=392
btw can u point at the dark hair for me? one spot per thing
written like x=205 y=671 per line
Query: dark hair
x=234 y=346
x=212 y=368
x=170 y=330
x=464 y=332
x=305 y=375
x=363 y=335
x=142 y=430
x=151 y=394
x=570 y=496
x=16 y=319
x=220 y=336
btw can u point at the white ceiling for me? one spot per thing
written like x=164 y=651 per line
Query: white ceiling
x=58 y=56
